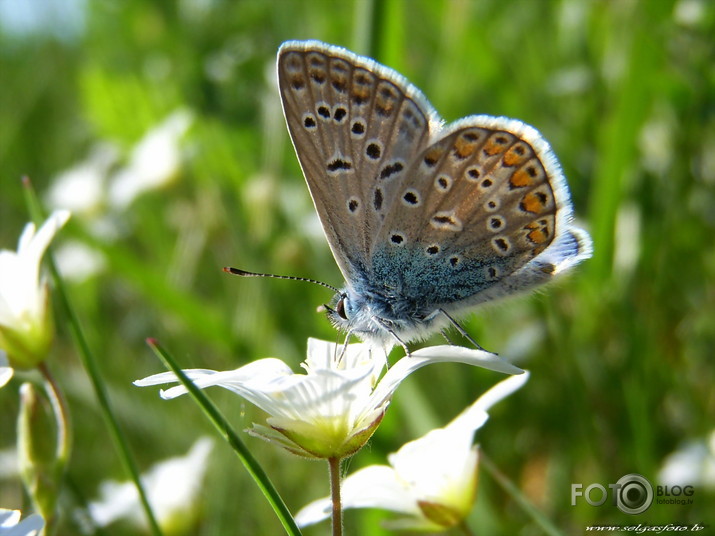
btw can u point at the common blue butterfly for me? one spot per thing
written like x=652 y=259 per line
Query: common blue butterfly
x=425 y=220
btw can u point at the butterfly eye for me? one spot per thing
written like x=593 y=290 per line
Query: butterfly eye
x=340 y=308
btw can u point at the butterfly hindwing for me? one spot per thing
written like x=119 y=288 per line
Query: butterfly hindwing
x=480 y=203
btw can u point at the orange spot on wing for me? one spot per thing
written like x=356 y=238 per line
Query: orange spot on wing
x=533 y=202
x=520 y=179
x=497 y=143
x=516 y=155
x=433 y=156
x=491 y=148
x=537 y=236
x=464 y=148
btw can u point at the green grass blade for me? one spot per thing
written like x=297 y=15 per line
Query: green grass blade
x=533 y=512
x=226 y=431
x=90 y=365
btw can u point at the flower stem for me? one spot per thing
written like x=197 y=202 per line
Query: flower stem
x=90 y=365
x=337 y=519
x=62 y=416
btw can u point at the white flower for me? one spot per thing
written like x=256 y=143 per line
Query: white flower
x=9 y=463
x=692 y=464
x=78 y=261
x=431 y=481
x=25 y=321
x=82 y=188
x=172 y=487
x=10 y=524
x=6 y=371
x=154 y=161
x=333 y=409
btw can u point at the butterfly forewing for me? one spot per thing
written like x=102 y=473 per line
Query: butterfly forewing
x=356 y=127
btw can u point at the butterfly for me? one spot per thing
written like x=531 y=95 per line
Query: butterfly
x=425 y=220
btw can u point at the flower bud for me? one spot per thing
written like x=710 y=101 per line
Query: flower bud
x=40 y=469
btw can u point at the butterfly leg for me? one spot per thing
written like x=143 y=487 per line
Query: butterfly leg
x=344 y=348
x=394 y=335
x=463 y=332
x=446 y=337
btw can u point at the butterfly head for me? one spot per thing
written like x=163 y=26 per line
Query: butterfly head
x=376 y=319
x=342 y=312
x=350 y=312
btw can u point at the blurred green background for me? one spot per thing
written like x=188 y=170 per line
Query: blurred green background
x=621 y=352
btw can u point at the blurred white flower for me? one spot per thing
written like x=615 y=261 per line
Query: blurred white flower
x=81 y=188
x=10 y=524
x=77 y=261
x=6 y=371
x=431 y=481
x=154 y=161
x=689 y=12
x=333 y=409
x=692 y=464
x=172 y=487
x=25 y=318
x=9 y=463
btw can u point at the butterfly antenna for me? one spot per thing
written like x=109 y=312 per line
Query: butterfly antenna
x=244 y=273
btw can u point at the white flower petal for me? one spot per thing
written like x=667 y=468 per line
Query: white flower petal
x=20 y=289
x=77 y=262
x=172 y=487
x=82 y=188
x=328 y=355
x=10 y=524
x=36 y=247
x=6 y=371
x=9 y=518
x=469 y=356
x=266 y=369
x=693 y=463
x=155 y=160
x=376 y=486
x=169 y=377
x=440 y=466
x=473 y=416
x=28 y=233
x=314 y=512
x=117 y=500
x=271 y=385
x=439 y=354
